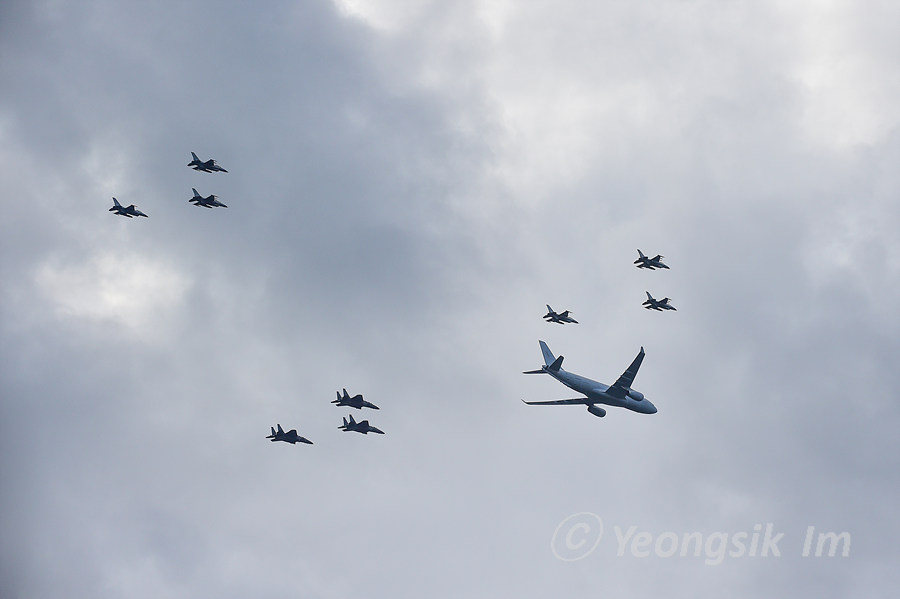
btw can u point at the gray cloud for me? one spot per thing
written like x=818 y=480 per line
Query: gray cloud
x=408 y=187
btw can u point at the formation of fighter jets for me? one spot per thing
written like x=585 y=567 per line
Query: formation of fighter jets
x=619 y=394
x=211 y=201
x=349 y=425
x=652 y=264
x=208 y=166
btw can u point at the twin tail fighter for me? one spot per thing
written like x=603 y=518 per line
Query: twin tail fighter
x=207 y=202
x=356 y=401
x=359 y=427
x=560 y=318
x=288 y=437
x=128 y=211
x=207 y=166
x=619 y=394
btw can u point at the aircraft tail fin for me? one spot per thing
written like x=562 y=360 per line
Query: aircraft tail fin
x=641 y=254
x=280 y=430
x=273 y=430
x=116 y=202
x=194 y=156
x=549 y=358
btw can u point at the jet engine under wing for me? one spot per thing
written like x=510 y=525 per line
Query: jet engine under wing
x=623 y=384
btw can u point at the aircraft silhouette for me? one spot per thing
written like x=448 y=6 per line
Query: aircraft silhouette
x=359 y=427
x=654 y=304
x=354 y=402
x=651 y=263
x=207 y=202
x=288 y=437
x=561 y=318
x=208 y=166
x=128 y=211
x=619 y=394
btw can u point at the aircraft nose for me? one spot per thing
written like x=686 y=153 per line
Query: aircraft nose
x=652 y=409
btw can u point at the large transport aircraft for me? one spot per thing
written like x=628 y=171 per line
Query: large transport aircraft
x=619 y=394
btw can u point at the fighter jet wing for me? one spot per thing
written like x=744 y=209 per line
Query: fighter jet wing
x=560 y=402
x=623 y=383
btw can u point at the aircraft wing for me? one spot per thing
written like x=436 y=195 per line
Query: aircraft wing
x=561 y=402
x=623 y=383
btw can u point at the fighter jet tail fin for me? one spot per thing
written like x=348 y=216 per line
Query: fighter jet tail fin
x=194 y=156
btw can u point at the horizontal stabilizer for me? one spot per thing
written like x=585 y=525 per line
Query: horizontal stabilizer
x=541 y=371
x=556 y=364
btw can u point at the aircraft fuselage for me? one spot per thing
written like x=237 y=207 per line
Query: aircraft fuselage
x=597 y=392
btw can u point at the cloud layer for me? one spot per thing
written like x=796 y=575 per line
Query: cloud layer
x=408 y=185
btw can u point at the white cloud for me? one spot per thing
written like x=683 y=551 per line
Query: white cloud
x=139 y=295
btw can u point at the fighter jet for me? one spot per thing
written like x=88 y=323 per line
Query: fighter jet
x=354 y=402
x=207 y=202
x=654 y=304
x=620 y=394
x=128 y=211
x=360 y=427
x=651 y=263
x=209 y=166
x=288 y=437
x=561 y=318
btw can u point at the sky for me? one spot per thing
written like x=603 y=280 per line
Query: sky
x=409 y=184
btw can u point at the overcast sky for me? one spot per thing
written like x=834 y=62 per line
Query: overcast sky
x=409 y=184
